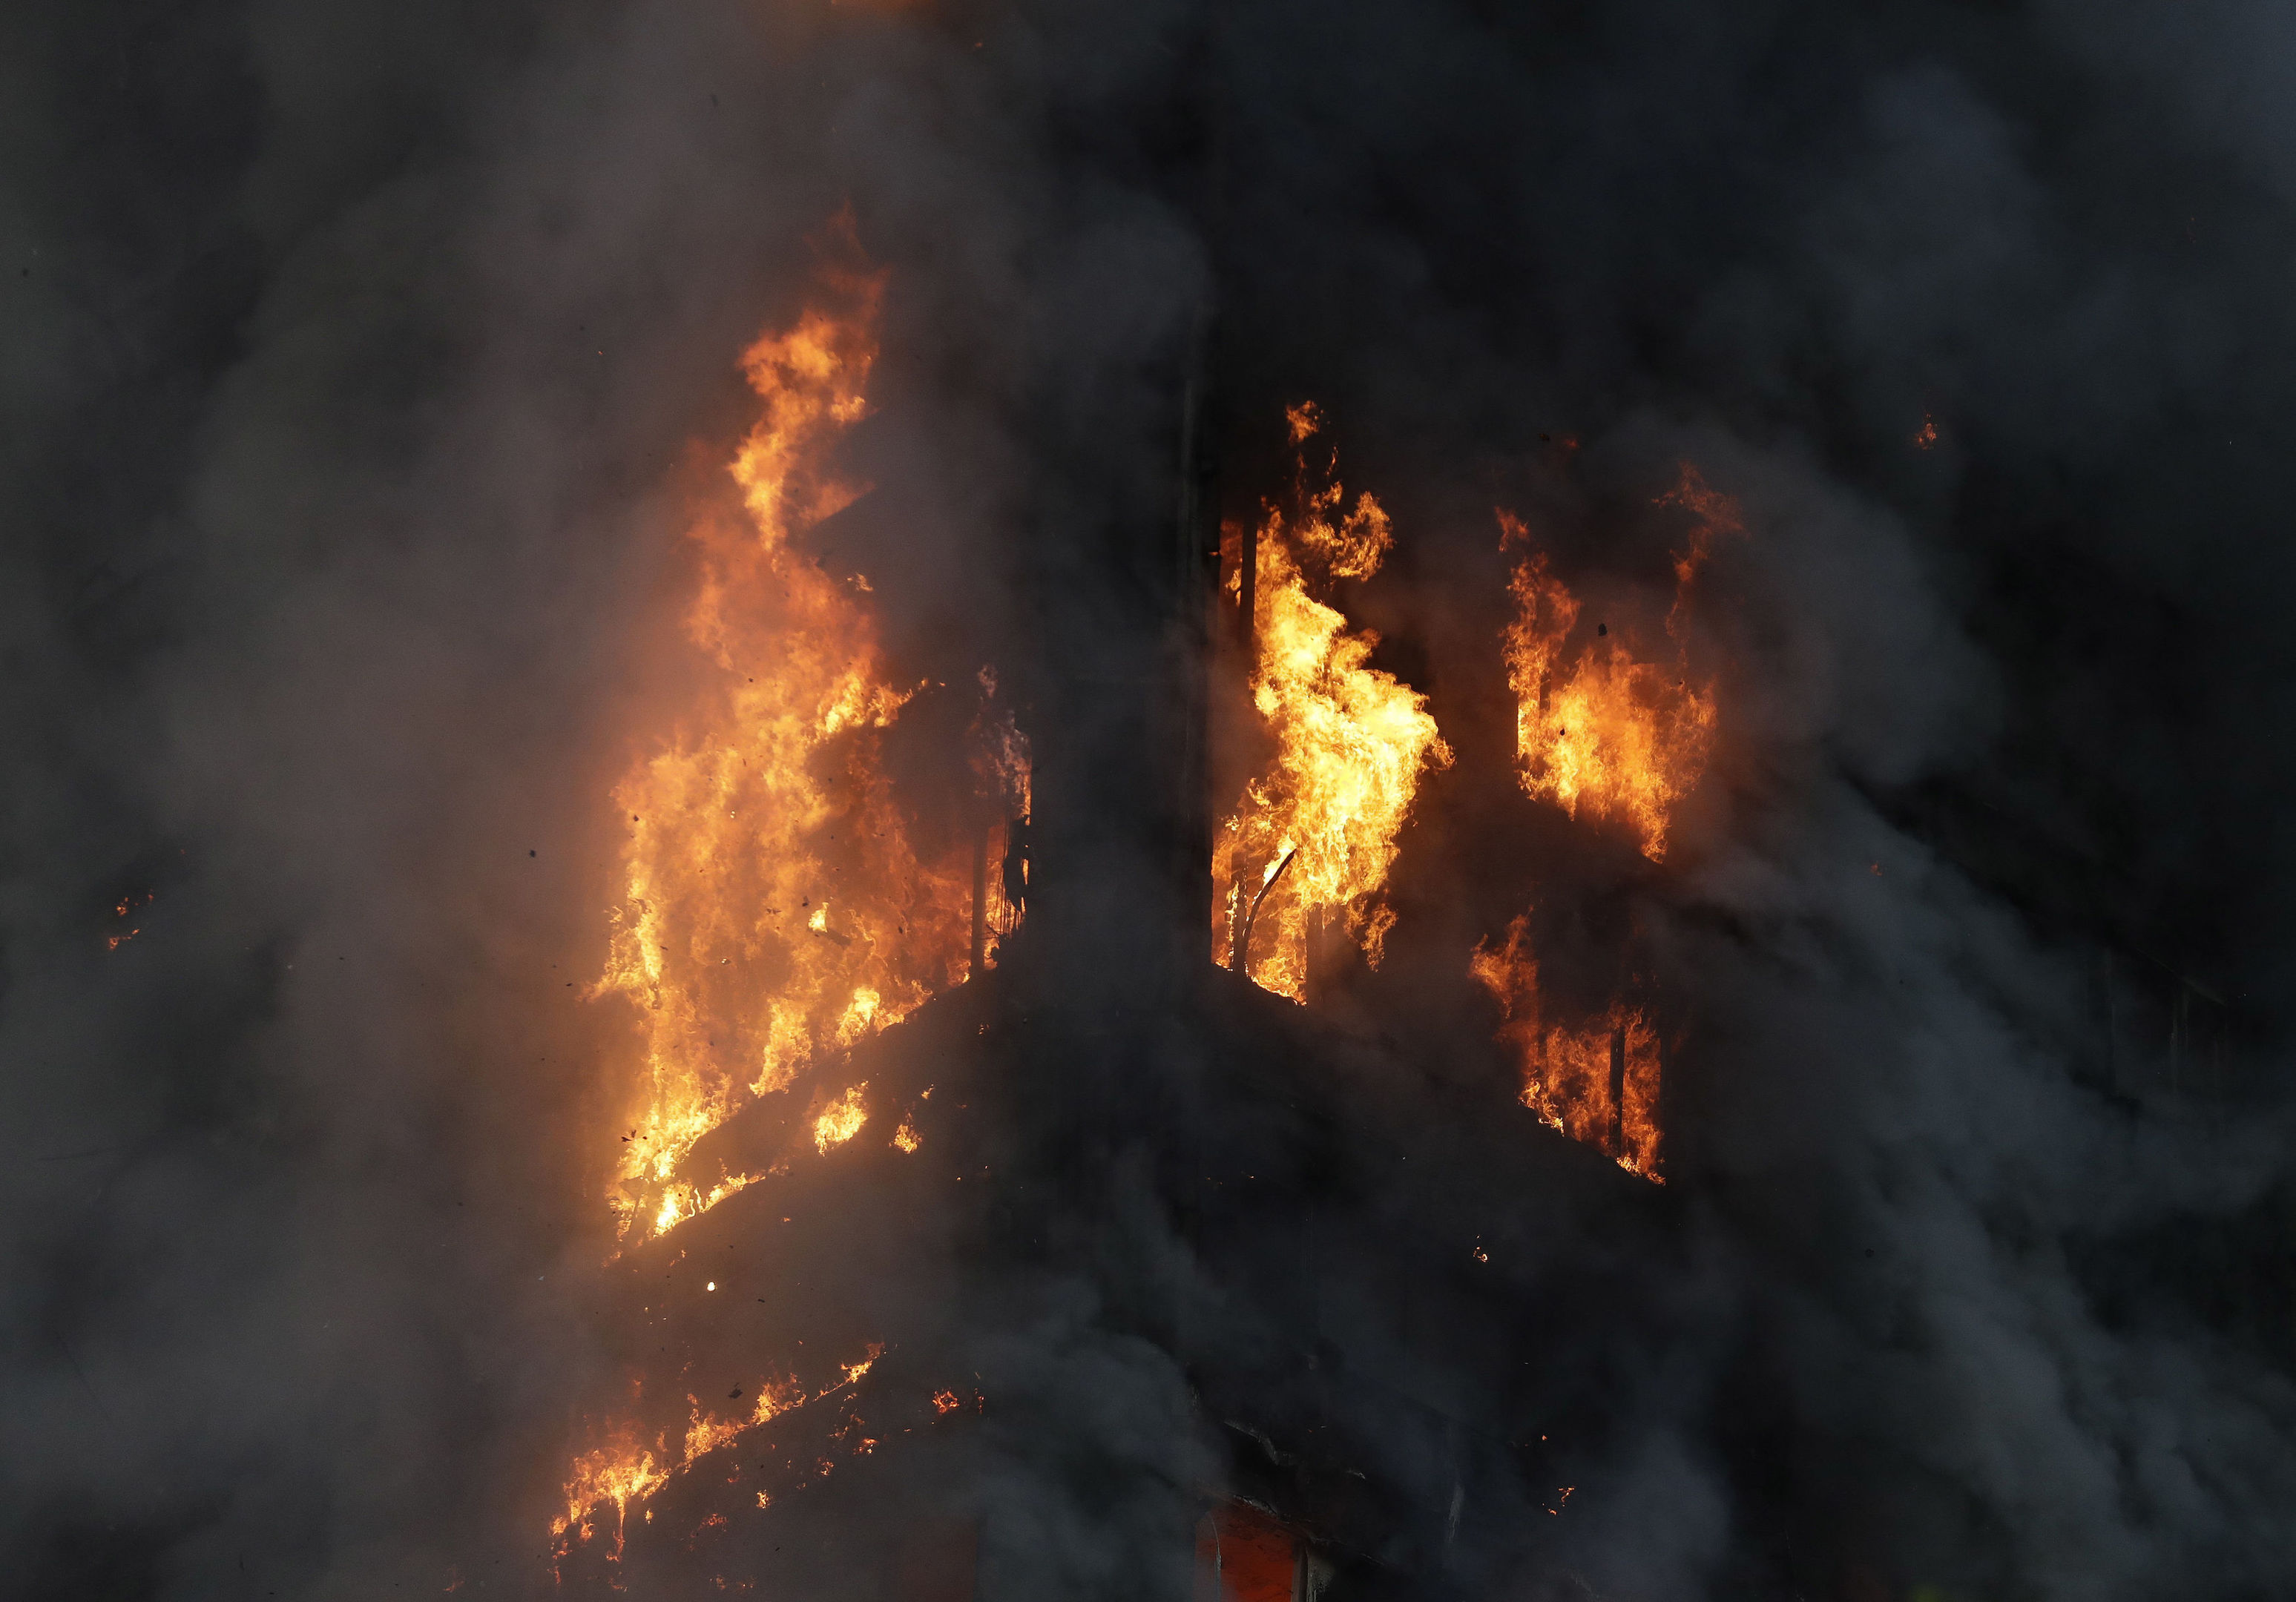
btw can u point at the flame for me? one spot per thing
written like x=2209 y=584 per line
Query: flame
x=1598 y=729
x=840 y=1120
x=620 y=1471
x=624 y=1469
x=1599 y=1082
x=705 y=1434
x=1000 y=752
x=682 y=1200
x=772 y=908
x=1004 y=786
x=1351 y=742
x=906 y=1137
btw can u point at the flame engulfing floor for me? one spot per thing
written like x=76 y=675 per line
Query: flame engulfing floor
x=774 y=912
x=1597 y=1082
x=773 y=908
x=1599 y=730
x=1606 y=733
x=626 y=1468
x=1313 y=835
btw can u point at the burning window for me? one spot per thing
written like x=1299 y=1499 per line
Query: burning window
x=1243 y=1555
x=1601 y=727
x=1305 y=852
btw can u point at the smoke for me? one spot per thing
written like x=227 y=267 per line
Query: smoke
x=363 y=364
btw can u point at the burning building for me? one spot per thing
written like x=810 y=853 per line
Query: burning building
x=964 y=802
x=1375 y=1316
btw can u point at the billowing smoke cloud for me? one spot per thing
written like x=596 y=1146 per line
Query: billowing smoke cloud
x=364 y=362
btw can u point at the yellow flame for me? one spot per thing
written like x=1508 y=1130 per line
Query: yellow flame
x=625 y=1469
x=840 y=1120
x=619 y=1472
x=1599 y=730
x=1597 y=1082
x=773 y=907
x=1352 y=743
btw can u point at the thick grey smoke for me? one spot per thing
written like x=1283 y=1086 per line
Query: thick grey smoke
x=361 y=361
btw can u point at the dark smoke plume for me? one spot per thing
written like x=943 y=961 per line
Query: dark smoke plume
x=361 y=364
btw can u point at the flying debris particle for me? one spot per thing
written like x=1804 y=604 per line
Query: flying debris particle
x=711 y=1286
x=127 y=905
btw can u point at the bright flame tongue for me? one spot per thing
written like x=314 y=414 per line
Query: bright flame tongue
x=1599 y=730
x=1603 y=732
x=1598 y=1083
x=772 y=908
x=627 y=1469
x=1351 y=742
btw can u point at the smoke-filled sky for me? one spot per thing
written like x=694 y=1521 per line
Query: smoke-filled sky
x=361 y=364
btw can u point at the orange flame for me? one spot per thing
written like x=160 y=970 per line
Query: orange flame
x=840 y=1120
x=1351 y=742
x=621 y=1471
x=624 y=1469
x=772 y=908
x=1004 y=784
x=1597 y=1083
x=1598 y=729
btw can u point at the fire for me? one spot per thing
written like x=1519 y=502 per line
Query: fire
x=1004 y=788
x=626 y=1470
x=1351 y=743
x=773 y=909
x=705 y=1434
x=1598 y=729
x=840 y=1120
x=1599 y=1082
x=621 y=1471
